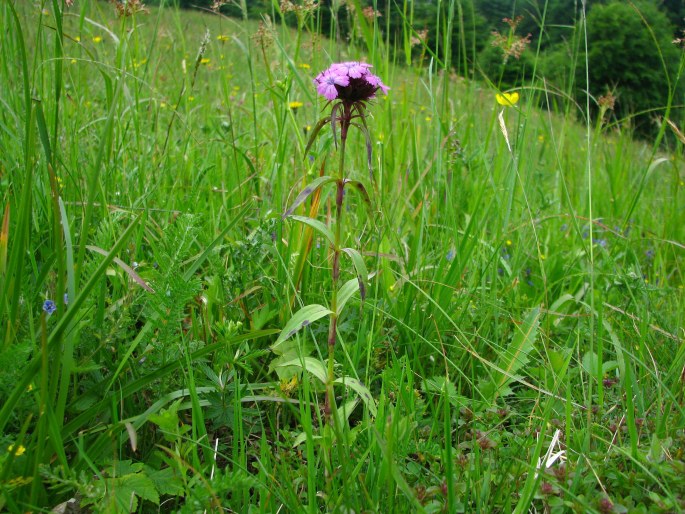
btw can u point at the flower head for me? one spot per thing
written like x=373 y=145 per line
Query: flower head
x=507 y=99
x=350 y=82
x=49 y=306
x=17 y=451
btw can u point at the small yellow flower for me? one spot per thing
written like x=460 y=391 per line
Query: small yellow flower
x=541 y=138
x=73 y=61
x=509 y=243
x=162 y=105
x=295 y=105
x=304 y=66
x=542 y=256
x=428 y=118
x=222 y=37
x=204 y=60
x=288 y=387
x=97 y=39
x=77 y=39
x=507 y=99
x=20 y=450
x=191 y=98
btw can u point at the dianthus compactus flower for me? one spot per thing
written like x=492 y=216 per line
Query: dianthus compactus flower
x=350 y=82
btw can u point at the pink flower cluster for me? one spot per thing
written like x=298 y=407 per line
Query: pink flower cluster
x=349 y=82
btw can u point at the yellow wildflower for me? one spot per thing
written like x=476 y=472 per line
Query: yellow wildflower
x=304 y=66
x=222 y=37
x=97 y=39
x=20 y=450
x=507 y=99
x=204 y=60
x=295 y=105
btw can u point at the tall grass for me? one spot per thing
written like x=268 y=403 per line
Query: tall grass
x=525 y=277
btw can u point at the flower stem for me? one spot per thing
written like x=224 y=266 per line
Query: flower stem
x=335 y=274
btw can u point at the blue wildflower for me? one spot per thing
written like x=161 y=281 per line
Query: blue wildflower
x=49 y=306
x=450 y=255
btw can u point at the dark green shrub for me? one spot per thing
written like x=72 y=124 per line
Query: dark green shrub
x=631 y=53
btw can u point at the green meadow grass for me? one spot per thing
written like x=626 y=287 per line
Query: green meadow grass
x=524 y=299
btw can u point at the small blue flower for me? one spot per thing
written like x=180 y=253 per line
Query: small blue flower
x=66 y=299
x=49 y=306
x=450 y=255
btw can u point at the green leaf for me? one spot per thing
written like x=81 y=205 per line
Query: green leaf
x=128 y=488
x=361 y=390
x=345 y=293
x=302 y=318
x=314 y=366
x=315 y=132
x=316 y=225
x=361 y=189
x=313 y=186
x=167 y=481
x=514 y=358
x=362 y=273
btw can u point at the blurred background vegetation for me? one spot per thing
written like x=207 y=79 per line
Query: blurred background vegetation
x=632 y=45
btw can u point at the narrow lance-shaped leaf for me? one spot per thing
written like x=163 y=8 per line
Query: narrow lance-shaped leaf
x=361 y=189
x=369 y=153
x=516 y=355
x=345 y=293
x=302 y=318
x=304 y=194
x=362 y=273
x=314 y=366
x=316 y=225
x=315 y=132
x=361 y=390
x=128 y=269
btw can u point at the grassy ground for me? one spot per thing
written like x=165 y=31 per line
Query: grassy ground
x=519 y=347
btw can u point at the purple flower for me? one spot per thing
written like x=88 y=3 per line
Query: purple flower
x=49 y=306
x=327 y=82
x=349 y=82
